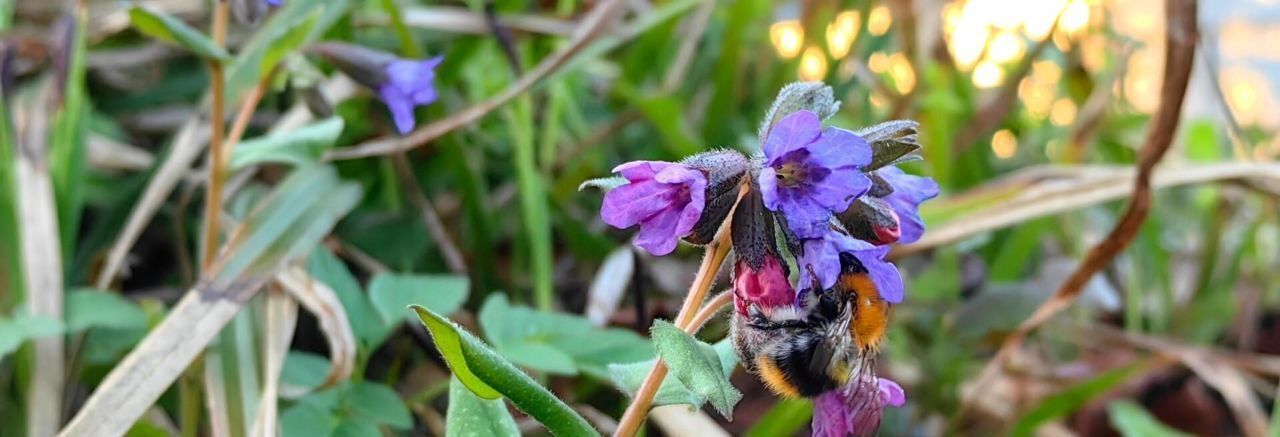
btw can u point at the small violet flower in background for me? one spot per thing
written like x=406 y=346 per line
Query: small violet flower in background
x=410 y=83
x=908 y=193
x=251 y=12
x=666 y=199
x=821 y=257
x=401 y=84
x=811 y=172
x=839 y=413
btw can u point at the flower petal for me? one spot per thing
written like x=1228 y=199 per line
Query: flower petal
x=630 y=204
x=883 y=273
x=658 y=233
x=821 y=258
x=639 y=170
x=838 y=148
x=830 y=416
x=891 y=393
x=908 y=193
x=839 y=189
x=793 y=132
x=400 y=106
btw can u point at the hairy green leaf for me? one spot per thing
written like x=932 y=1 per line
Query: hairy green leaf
x=86 y=308
x=629 y=377
x=298 y=147
x=696 y=365
x=488 y=375
x=471 y=416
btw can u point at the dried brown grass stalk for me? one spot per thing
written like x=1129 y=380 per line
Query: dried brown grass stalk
x=1180 y=43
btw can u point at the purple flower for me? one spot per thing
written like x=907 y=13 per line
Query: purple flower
x=820 y=257
x=665 y=199
x=855 y=410
x=812 y=172
x=409 y=83
x=908 y=193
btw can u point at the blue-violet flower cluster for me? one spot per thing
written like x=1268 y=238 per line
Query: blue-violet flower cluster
x=834 y=199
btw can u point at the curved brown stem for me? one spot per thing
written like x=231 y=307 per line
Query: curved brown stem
x=716 y=252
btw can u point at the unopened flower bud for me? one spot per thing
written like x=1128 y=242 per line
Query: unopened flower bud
x=402 y=84
x=892 y=142
x=724 y=170
x=815 y=97
x=766 y=288
x=871 y=219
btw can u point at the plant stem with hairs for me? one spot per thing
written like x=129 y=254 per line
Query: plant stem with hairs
x=217 y=126
x=689 y=319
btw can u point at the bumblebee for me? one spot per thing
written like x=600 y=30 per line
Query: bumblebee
x=820 y=345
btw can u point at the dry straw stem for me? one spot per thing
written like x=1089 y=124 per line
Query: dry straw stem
x=592 y=26
x=323 y=303
x=716 y=252
x=430 y=218
x=41 y=262
x=186 y=147
x=218 y=154
x=1065 y=189
x=1180 y=43
x=1219 y=369
x=282 y=318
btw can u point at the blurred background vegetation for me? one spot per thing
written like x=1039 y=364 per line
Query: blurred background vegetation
x=1032 y=113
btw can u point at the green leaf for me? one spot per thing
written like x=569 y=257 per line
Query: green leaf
x=298 y=147
x=285 y=40
x=366 y=324
x=13 y=332
x=533 y=199
x=696 y=365
x=488 y=375
x=356 y=427
x=1134 y=421
x=1071 y=399
x=378 y=403
x=629 y=377
x=164 y=27
x=392 y=292
x=557 y=343
x=306 y=419
x=67 y=142
x=304 y=369
x=86 y=308
x=786 y=417
x=471 y=416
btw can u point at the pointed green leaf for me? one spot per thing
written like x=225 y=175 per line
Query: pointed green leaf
x=298 y=147
x=629 y=377
x=1071 y=399
x=392 y=292
x=489 y=376
x=285 y=40
x=13 y=332
x=696 y=365
x=1132 y=420
x=557 y=343
x=164 y=27
x=471 y=416
x=86 y=308
x=379 y=404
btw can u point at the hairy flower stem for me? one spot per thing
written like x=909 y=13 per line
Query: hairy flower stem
x=217 y=126
x=716 y=252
